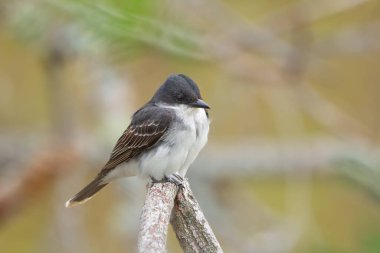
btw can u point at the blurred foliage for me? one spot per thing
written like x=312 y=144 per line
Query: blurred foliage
x=361 y=173
x=124 y=26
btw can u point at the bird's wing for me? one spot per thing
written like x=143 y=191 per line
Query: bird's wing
x=139 y=137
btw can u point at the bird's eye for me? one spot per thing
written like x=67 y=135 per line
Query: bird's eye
x=180 y=97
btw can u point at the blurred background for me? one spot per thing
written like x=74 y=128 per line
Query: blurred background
x=292 y=163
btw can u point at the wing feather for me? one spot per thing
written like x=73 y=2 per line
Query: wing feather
x=135 y=140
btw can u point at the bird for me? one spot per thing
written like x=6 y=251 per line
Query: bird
x=162 y=140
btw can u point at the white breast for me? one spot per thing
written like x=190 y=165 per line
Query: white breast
x=200 y=124
x=191 y=131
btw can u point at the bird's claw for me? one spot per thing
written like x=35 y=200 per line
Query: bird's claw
x=175 y=179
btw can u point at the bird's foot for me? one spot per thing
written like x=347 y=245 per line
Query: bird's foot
x=175 y=179
x=154 y=181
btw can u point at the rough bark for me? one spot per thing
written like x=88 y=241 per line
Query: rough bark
x=190 y=225
x=155 y=217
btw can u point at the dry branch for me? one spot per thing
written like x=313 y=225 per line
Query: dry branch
x=187 y=219
x=190 y=225
x=155 y=217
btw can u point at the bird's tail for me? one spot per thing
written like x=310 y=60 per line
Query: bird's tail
x=87 y=192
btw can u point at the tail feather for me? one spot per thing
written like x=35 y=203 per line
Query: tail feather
x=87 y=192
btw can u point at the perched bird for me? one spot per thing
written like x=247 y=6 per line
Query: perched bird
x=162 y=140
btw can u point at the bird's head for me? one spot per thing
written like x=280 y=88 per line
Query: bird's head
x=179 y=89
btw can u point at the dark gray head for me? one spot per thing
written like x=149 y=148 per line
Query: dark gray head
x=179 y=89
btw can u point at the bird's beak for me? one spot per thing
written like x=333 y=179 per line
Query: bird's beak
x=200 y=104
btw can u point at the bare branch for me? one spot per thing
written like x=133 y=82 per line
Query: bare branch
x=246 y=158
x=187 y=219
x=155 y=217
x=190 y=225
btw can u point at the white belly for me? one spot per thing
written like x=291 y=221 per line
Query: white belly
x=183 y=148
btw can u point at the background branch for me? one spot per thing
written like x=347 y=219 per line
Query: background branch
x=39 y=174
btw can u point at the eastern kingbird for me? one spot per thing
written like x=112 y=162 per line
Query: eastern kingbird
x=162 y=140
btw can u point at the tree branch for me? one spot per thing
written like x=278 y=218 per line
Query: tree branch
x=190 y=225
x=155 y=217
